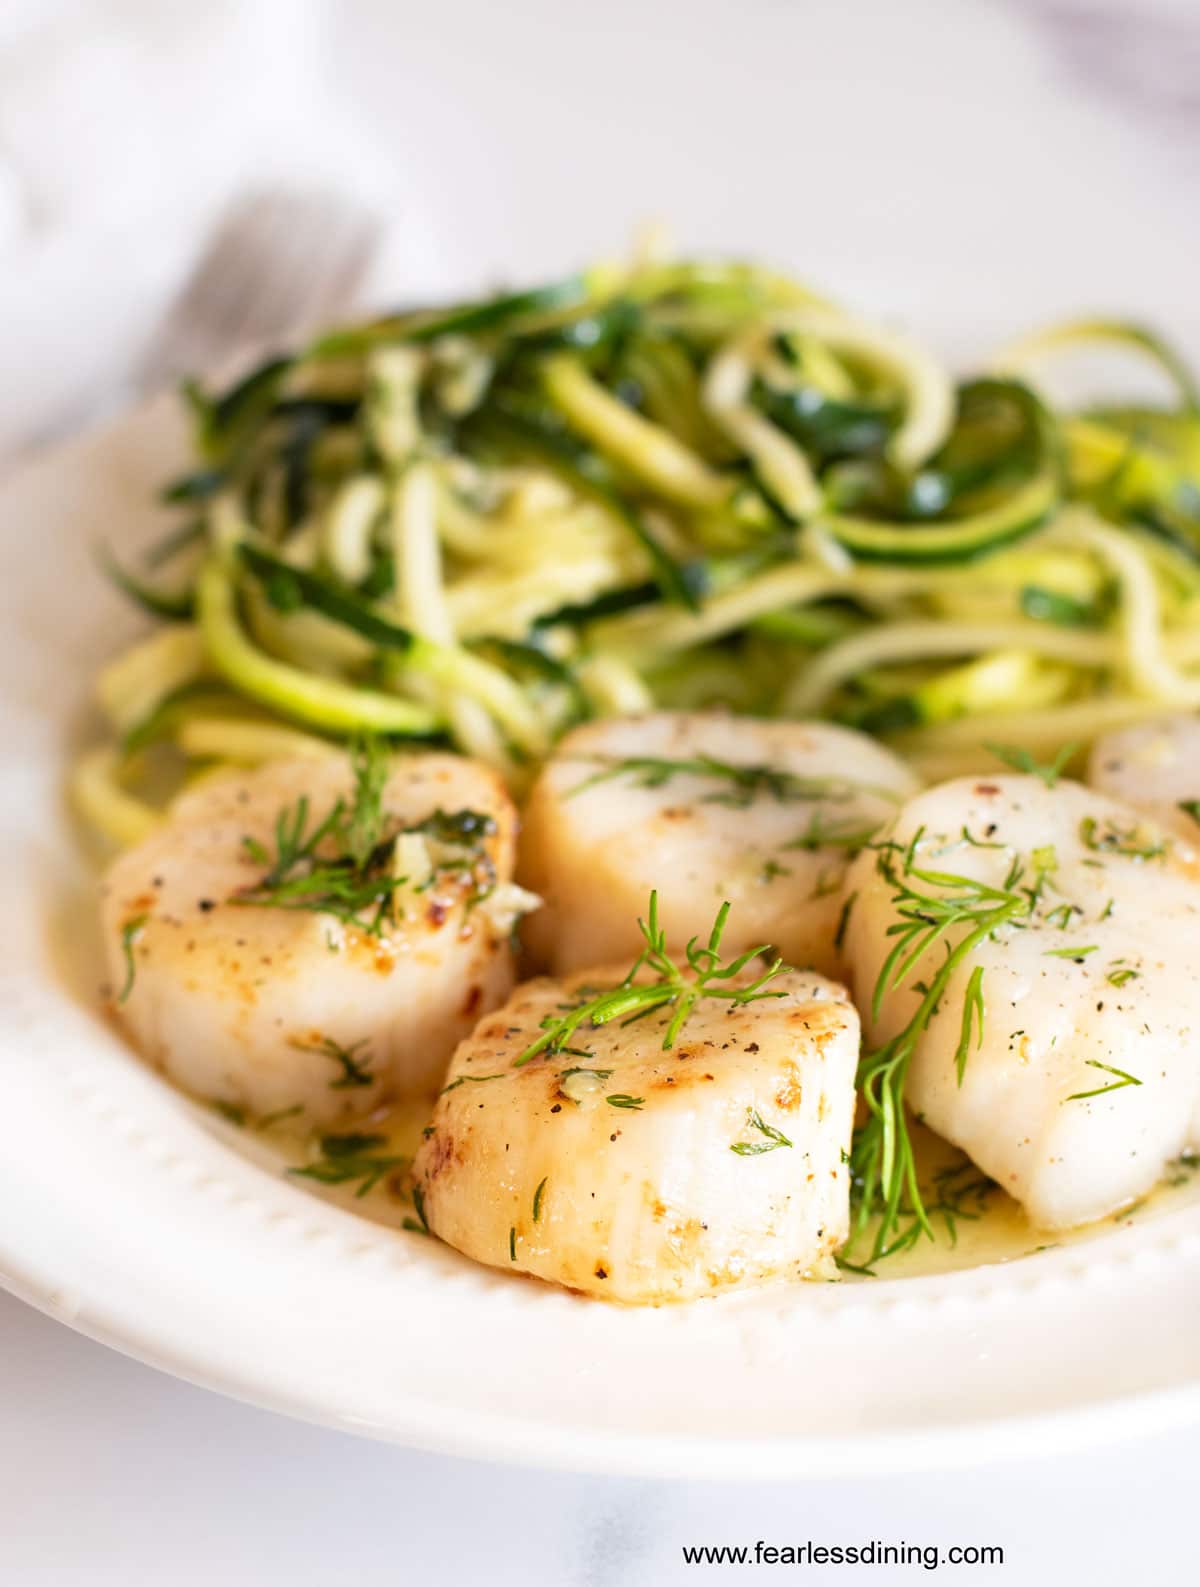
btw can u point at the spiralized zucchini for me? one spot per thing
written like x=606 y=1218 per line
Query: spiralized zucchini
x=675 y=484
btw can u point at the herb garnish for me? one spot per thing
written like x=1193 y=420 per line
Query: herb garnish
x=929 y=904
x=1180 y=1169
x=972 y=1015
x=354 y=1071
x=538 y=1195
x=620 y=1099
x=743 y=783
x=350 y=1157
x=1021 y=760
x=463 y=1080
x=772 y=1141
x=823 y=834
x=130 y=932
x=839 y=935
x=1078 y=954
x=671 y=986
x=1108 y=838
x=344 y=865
x=1190 y=807
x=960 y=1191
x=1123 y=1079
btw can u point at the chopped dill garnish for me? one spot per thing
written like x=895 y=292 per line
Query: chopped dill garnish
x=839 y=935
x=344 y=864
x=824 y=834
x=930 y=905
x=465 y=1080
x=130 y=932
x=1078 y=954
x=1124 y=1078
x=1190 y=807
x=772 y=1140
x=1121 y=973
x=1021 y=760
x=512 y=1244
x=671 y=987
x=538 y=1197
x=972 y=1014
x=743 y=783
x=354 y=1071
x=351 y=1158
x=620 y=1099
x=1108 y=838
x=1180 y=1169
x=960 y=1192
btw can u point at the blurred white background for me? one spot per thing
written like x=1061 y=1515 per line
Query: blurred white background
x=962 y=166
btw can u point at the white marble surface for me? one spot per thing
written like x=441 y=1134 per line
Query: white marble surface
x=962 y=166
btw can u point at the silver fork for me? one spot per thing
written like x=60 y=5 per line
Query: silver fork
x=280 y=263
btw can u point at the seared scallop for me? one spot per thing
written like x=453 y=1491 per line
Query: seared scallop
x=646 y=1174
x=703 y=807
x=263 y=969
x=1062 y=1052
x=1154 y=766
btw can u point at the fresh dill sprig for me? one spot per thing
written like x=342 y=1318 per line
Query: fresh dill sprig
x=130 y=932
x=1021 y=760
x=972 y=1016
x=822 y=833
x=352 y=1158
x=1181 y=1169
x=742 y=784
x=671 y=987
x=960 y=1192
x=931 y=907
x=1124 y=1078
x=1120 y=973
x=839 y=935
x=363 y=829
x=464 y=1080
x=354 y=1072
x=1190 y=807
x=1132 y=842
x=771 y=1141
x=343 y=865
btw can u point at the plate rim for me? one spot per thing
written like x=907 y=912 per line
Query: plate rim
x=483 y=1433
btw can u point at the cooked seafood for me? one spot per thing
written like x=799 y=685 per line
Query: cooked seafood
x=615 y=1164
x=315 y=935
x=704 y=807
x=1154 y=766
x=1023 y=954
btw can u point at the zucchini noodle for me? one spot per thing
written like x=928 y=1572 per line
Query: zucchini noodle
x=654 y=484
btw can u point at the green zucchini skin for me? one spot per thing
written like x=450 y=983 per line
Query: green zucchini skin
x=947 y=541
x=685 y=482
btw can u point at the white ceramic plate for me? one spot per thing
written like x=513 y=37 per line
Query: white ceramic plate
x=125 y=1212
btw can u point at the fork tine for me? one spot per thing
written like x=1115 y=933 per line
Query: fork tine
x=278 y=262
